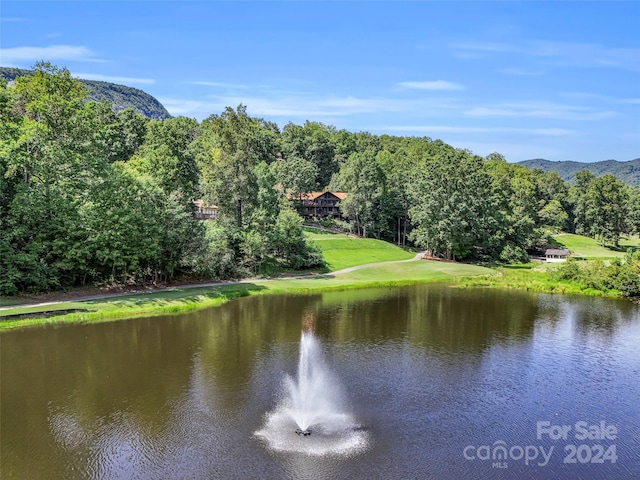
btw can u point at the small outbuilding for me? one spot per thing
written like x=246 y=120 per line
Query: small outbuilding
x=555 y=255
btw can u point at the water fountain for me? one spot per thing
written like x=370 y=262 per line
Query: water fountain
x=312 y=416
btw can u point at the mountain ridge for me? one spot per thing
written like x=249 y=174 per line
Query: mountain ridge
x=120 y=96
x=626 y=171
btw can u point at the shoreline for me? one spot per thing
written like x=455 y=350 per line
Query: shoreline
x=176 y=299
x=184 y=298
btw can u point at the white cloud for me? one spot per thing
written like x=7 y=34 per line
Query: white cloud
x=221 y=85
x=591 y=98
x=453 y=129
x=539 y=110
x=189 y=108
x=565 y=53
x=298 y=105
x=521 y=72
x=28 y=55
x=113 y=79
x=432 y=85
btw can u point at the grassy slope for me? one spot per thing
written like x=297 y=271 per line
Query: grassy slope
x=589 y=248
x=341 y=251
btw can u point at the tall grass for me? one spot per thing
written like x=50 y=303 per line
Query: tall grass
x=532 y=279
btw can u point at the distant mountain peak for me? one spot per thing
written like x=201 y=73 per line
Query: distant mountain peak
x=628 y=172
x=120 y=96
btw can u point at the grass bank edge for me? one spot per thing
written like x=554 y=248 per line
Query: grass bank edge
x=529 y=278
x=185 y=300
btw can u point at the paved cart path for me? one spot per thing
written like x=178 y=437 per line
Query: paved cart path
x=202 y=285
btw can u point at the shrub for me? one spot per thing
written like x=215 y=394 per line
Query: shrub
x=570 y=270
x=628 y=275
x=513 y=254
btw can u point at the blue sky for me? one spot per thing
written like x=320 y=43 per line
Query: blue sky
x=555 y=80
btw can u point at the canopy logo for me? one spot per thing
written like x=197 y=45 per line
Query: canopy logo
x=499 y=453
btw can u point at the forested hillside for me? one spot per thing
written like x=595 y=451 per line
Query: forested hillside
x=119 y=96
x=627 y=172
x=90 y=196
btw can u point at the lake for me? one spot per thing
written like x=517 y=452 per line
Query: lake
x=444 y=383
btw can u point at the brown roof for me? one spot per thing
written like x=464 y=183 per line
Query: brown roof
x=201 y=204
x=314 y=195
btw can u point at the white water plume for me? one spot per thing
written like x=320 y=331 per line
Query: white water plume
x=313 y=406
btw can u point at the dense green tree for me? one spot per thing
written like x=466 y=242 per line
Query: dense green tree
x=289 y=243
x=451 y=209
x=122 y=226
x=363 y=178
x=295 y=175
x=366 y=141
x=599 y=206
x=71 y=211
x=628 y=275
x=551 y=187
x=578 y=200
x=553 y=216
x=216 y=258
x=633 y=210
x=232 y=145
x=235 y=153
x=312 y=142
x=515 y=203
x=9 y=131
x=51 y=161
x=168 y=154
x=132 y=128
x=344 y=145
x=606 y=208
x=390 y=216
x=496 y=158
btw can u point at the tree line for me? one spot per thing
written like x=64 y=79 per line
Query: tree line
x=89 y=196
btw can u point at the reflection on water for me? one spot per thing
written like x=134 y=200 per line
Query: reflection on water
x=428 y=370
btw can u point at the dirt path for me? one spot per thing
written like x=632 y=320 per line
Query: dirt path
x=104 y=296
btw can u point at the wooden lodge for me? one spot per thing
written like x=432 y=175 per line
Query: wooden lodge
x=320 y=204
x=205 y=211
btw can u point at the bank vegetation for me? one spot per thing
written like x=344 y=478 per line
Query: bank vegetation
x=89 y=196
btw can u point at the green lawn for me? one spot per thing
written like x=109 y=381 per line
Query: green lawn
x=380 y=275
x=341 y=251
x=586 y=247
